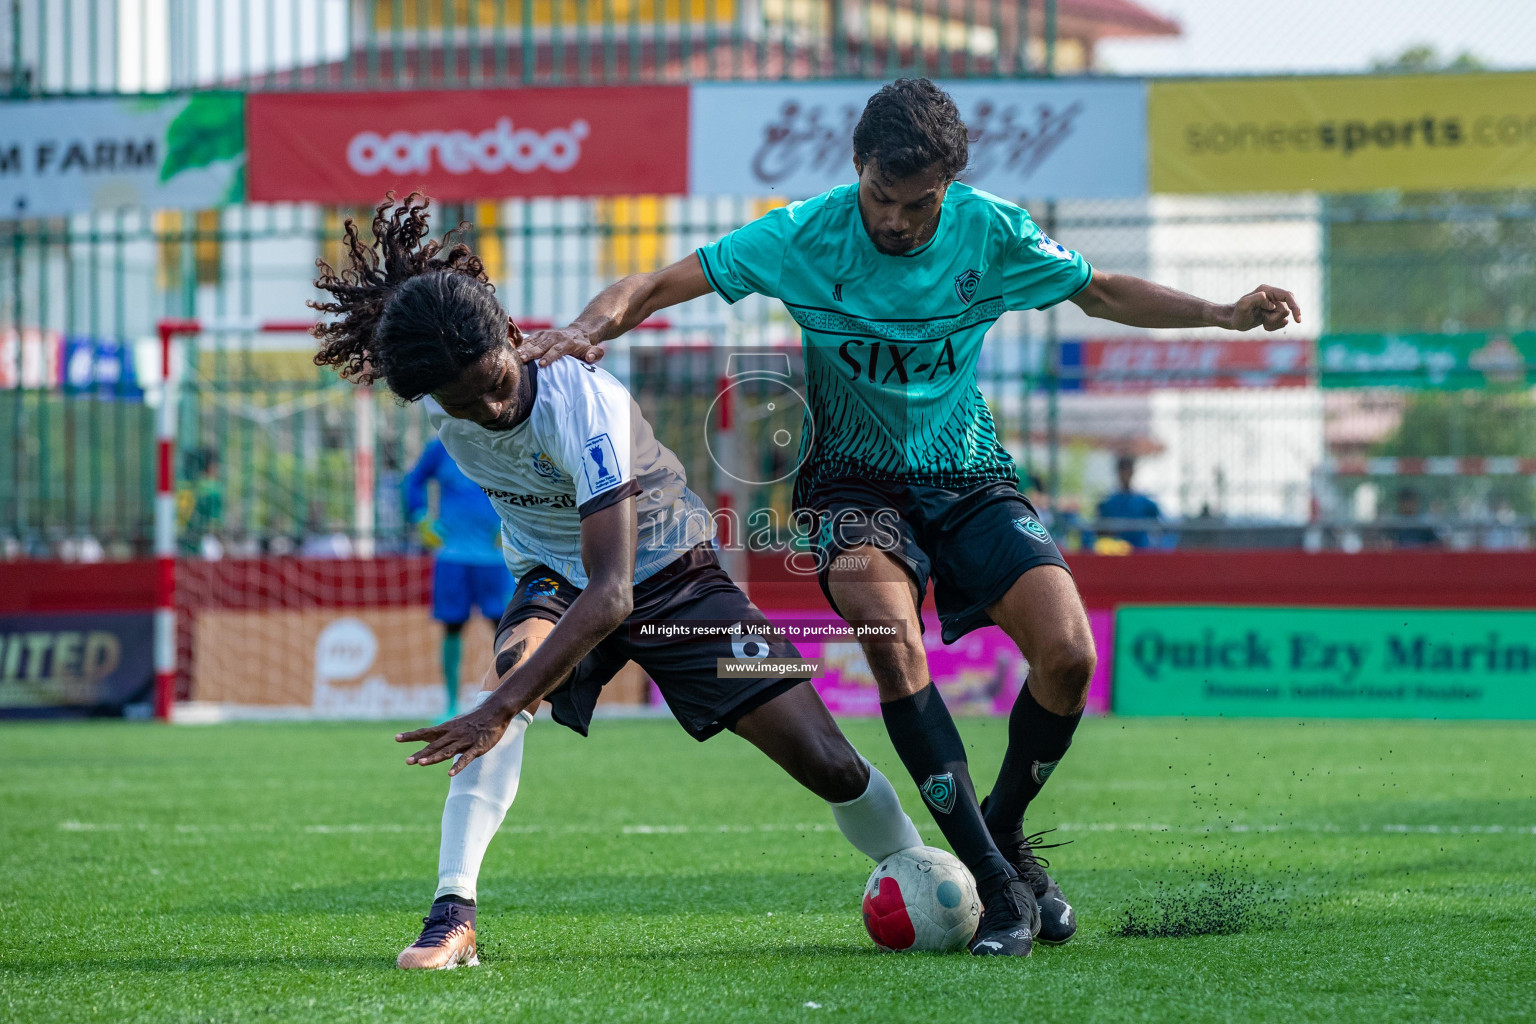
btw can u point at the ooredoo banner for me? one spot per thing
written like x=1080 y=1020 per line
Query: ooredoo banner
x=1083 y=139
x=483 y=144
x=1353 y=133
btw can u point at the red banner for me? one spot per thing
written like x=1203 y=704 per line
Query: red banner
x=1142 y=364
x=352 y=147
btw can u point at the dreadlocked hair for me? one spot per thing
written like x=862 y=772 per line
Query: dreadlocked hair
x=412 y=313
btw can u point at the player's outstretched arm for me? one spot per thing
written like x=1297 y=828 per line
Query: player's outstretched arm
x=1139 y=303
x=618 y=308
x=608 y=540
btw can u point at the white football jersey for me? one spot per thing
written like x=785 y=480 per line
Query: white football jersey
x=583 y=446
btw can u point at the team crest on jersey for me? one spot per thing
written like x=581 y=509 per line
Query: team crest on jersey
x=939 y=791
x=1051 y=247
x=545 y=466
x=965 y=285
x=1030 y=527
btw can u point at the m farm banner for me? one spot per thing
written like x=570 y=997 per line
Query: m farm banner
x=1353 y=133
x=1325 y=662
x=173 y=152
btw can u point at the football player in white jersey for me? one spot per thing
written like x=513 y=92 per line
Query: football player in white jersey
x=603 y=535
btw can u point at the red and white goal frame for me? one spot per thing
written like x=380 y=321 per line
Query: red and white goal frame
x=213 y=587
x=171 y=332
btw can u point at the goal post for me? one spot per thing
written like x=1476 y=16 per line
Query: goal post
x=172 y=333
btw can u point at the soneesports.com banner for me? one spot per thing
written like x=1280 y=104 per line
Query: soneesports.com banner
x=1325 y=662
x=171 y=152
x=1068 y=139
x=1344 y=133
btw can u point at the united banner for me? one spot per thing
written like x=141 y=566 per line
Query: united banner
x=74 y=662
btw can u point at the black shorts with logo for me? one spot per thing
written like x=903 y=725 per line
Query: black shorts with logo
x=694 y=587
x=974 y=543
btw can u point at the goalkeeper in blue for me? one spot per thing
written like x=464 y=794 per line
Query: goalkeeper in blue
x=894 y=282
x=468 y=571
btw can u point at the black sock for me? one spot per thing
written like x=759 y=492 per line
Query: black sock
x=929 y=745
x=455 y=899
x=1037 y=740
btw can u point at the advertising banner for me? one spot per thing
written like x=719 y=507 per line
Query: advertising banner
x=1032 y=139
x=1353 y=133
x=1141 y=364
x=75 y=662
x=1325 y=662
x=464 y=145
x=339 y=663
x=1434 y=361
x=980 y=674
x=174 y=152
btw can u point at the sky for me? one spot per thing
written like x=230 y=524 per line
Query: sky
x=1247 y=36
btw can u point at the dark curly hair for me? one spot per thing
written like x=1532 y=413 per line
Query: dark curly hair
x=410 y=313
x=909 y=126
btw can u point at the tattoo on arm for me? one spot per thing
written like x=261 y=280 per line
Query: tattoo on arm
x=507 y=660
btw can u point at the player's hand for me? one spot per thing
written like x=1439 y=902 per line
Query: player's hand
x=547 y=346
x=1273 y=307
x=466 y=737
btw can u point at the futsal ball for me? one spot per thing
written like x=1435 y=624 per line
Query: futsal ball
x=921 y=899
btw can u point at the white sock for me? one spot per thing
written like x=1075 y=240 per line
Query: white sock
x=478 y=798
x=874 y=822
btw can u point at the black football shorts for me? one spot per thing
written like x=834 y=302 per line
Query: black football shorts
x=692 y=588
x=973 y=543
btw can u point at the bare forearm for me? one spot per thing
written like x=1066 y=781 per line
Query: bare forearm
x=1140 y=303
x=618 y=308
x=595 y=613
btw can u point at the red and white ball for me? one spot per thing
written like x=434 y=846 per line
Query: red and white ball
x=921 y=899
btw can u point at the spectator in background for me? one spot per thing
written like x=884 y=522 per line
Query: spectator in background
x=1410 y=528
x=1127 y=503
x=467 y=568
x=202 y=507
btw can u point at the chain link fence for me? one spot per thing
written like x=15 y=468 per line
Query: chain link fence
x=1344 y=432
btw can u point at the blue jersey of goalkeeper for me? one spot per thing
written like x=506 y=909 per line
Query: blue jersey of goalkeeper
x=466 y=523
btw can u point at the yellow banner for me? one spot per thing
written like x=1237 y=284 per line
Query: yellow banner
x=1344 y=134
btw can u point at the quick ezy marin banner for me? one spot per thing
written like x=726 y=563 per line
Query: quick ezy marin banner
x=1325 y=662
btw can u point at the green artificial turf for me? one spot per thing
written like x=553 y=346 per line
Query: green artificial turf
x=1284 y=871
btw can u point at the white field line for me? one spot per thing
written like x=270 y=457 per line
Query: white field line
x=664 y=830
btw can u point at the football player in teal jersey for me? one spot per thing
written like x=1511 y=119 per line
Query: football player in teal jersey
x=894 y=282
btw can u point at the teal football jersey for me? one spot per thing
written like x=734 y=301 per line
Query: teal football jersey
x=891 y=342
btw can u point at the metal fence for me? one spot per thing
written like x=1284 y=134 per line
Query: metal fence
x=267 y=439
x=56 y=47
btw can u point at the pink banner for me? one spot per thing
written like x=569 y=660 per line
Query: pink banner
x=980 y=674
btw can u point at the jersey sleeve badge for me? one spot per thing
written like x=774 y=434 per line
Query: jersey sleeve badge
x=600 y=464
